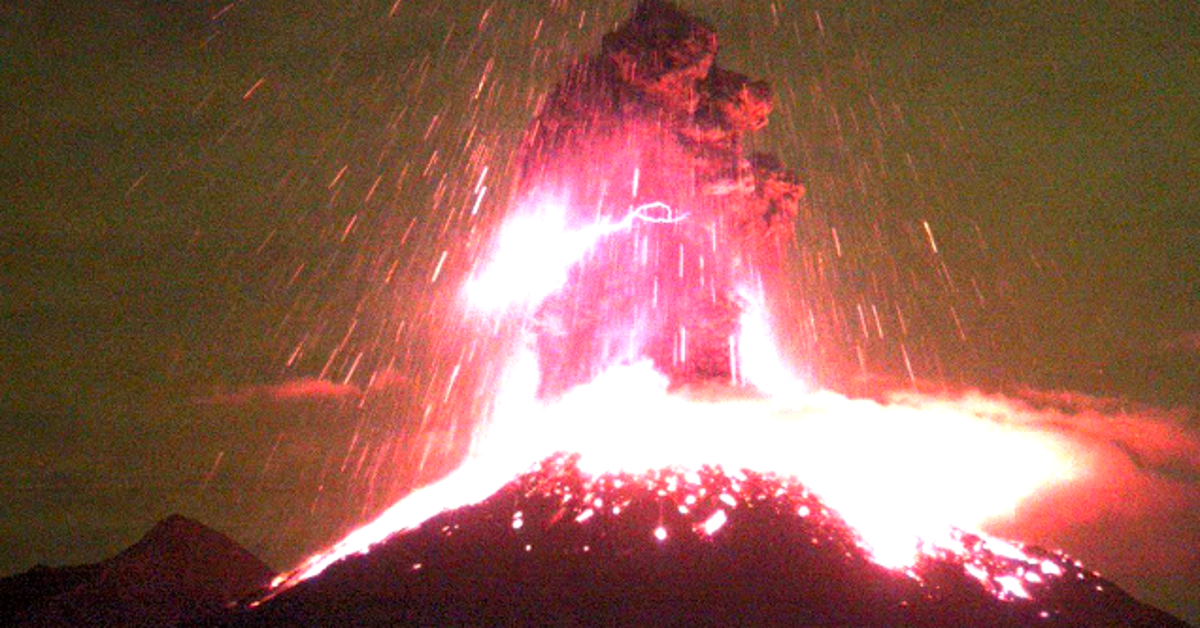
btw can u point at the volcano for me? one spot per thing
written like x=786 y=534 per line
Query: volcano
x=641 y=255
x=557 y=546
x=179 y=570
x=639 y=258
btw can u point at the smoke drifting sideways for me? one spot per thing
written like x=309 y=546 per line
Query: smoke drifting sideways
x=1131 y=512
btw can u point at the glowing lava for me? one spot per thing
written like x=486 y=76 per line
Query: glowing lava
x=906 y=477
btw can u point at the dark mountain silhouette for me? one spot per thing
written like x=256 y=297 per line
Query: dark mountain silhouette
x=558 y=547
x=179 y=569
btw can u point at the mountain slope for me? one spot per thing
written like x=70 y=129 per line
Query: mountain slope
x=179 y=569
x=556 y=546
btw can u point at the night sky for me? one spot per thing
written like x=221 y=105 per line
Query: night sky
x=231 y=231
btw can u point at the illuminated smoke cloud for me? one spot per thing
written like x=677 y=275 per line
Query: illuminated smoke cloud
x=302 y=389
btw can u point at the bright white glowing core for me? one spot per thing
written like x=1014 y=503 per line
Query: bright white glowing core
x=536 y=249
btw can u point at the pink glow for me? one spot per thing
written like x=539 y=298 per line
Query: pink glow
x=536 y=248
x=901 y=475
x=904 y=474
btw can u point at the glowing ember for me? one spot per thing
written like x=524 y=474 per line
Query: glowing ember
x=714 y=523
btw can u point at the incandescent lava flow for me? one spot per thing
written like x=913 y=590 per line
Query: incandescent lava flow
x=676 y=452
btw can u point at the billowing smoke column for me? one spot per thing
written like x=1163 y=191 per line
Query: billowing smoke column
x=646 y=139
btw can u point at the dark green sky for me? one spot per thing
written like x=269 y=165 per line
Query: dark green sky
x=172 y=232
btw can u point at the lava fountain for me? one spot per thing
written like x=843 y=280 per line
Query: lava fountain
x=642 y=257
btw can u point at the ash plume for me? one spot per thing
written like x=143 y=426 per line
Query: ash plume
x=653 y=118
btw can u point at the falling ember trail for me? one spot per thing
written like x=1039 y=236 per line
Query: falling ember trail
x=253 y=88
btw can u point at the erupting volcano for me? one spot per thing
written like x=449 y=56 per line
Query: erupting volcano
x=650 y=459
x=561 y=546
